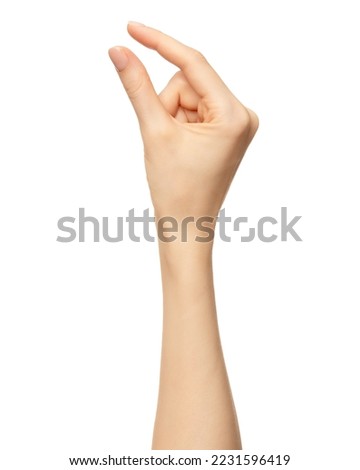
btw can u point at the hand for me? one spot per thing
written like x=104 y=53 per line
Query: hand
x=195 y=132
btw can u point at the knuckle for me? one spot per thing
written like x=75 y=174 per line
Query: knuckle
x=197 y=56
x=239 y=121
x=135 y=86
x=242 y=121
x=179 y=78
x=179 y=75
x=254 y=121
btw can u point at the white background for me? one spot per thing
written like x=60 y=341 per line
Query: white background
x=81 y=322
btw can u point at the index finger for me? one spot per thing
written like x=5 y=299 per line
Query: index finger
x=201 y=76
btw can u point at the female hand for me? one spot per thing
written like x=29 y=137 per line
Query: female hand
x=195 y=132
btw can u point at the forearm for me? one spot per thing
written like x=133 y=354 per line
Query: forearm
x=195 y=408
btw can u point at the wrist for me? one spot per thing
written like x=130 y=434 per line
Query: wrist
x=183 y=261
x=185 y=246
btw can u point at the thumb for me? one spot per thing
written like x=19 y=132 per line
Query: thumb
x=138 y=86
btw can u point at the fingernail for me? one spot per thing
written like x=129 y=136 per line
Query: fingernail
x=118 y=57
x=135 y=23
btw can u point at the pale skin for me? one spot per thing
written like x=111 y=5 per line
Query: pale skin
x=195 y=133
